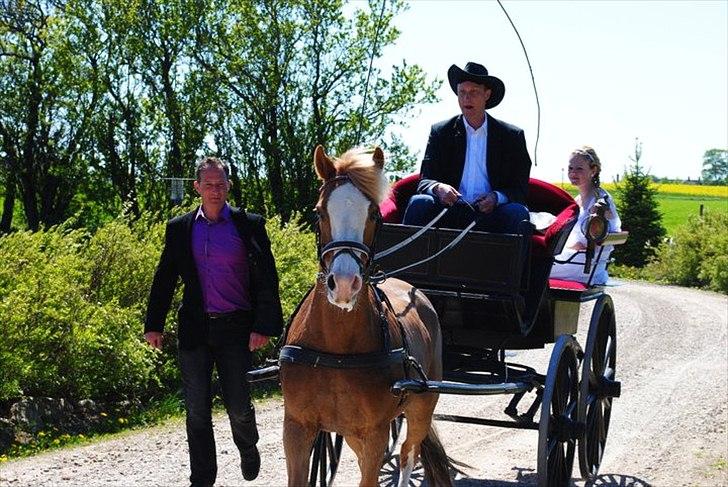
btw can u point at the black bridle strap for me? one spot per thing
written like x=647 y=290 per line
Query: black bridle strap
x=305 y=356
x=345 y=245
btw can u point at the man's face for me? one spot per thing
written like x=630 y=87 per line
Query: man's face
x=213 y=187
x=472 y=98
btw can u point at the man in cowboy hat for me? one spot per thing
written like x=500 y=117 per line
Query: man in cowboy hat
x=473 y=162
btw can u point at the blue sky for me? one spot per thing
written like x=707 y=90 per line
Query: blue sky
x=606 y=72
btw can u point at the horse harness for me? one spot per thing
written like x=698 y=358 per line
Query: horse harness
x=385 y=358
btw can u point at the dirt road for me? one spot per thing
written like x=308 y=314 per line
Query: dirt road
x=668 y=428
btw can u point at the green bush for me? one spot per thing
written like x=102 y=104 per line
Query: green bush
x=697 y=255
x=72 y=308
x=294 y=248
x=59 y=338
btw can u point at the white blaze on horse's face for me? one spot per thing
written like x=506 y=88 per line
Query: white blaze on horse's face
x=348 y=211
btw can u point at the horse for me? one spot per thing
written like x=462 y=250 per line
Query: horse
x=339 y=368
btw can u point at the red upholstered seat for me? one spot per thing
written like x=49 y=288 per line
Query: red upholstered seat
x=399 y=195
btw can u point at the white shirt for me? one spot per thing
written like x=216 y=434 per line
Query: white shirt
x=475 y=183
x=574 y=271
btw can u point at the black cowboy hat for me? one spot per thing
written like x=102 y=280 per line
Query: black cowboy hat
x=477 y=74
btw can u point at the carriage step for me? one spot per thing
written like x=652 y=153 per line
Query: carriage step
x=266 y=373
x=608 y=388
x=446 y=387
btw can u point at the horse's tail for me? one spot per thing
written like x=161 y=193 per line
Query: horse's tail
x=435 y=461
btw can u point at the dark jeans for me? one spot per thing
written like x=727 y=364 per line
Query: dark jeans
x=226 y=348
x=504 y=219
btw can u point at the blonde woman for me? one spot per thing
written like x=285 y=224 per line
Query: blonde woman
x=584 y=169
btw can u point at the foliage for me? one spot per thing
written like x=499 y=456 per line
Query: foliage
x=638 y=209
x=59 y=338
x=72 y=306
x=715 y=166
x=100 y=99
x=696 y=256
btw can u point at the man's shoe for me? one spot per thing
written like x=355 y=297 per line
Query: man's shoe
x=250 y=463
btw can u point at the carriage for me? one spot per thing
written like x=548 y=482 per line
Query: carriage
x=492 y=293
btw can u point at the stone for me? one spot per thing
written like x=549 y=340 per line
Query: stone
x=7 y=434
x=34 y=414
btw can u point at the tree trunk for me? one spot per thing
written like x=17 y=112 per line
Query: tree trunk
x=8 y=205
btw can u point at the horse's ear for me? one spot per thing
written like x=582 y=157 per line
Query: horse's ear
x=378 y=157
x=324 y=166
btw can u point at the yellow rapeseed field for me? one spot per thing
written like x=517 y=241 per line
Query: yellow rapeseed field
x=673 y=189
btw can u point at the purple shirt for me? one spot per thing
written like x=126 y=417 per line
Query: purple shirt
x=221 y=258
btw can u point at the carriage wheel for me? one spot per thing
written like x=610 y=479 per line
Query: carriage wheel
x=325 y=456
x=558 y=427
x=395 y=428
x=598 y=386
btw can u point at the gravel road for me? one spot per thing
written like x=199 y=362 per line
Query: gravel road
x=668 y=428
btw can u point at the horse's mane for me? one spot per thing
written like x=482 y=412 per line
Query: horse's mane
x=358 y=164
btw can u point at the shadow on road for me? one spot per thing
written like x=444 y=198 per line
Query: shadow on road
x=389 y=476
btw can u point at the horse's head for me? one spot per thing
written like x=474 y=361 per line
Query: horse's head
x=348 y=209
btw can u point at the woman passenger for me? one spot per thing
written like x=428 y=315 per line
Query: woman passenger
x=584 y=169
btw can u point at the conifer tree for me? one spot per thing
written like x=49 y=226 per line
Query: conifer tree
x=638 y=209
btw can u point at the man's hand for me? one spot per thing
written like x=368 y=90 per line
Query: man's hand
x=446 y=194
x=487 y=203
x=154 y=338
x=257 y=341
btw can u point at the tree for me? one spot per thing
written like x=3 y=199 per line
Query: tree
x=638 y=209
x=48 y=91
x=300 y=73
x=715 y=166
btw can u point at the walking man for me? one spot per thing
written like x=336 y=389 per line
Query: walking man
x=230 y=307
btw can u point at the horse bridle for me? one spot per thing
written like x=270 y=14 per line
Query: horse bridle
x=362 y=253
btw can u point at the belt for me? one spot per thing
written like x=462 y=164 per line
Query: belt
x=238 y=313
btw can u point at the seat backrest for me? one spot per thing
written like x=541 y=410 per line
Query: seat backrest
x=543 y=196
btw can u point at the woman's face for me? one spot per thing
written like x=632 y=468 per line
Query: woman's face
x=580 y=174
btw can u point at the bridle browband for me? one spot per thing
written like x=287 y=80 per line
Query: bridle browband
x=362 y=253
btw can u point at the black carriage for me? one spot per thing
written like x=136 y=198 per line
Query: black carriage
x=492 y=293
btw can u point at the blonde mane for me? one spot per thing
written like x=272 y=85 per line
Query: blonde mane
x=358 y=164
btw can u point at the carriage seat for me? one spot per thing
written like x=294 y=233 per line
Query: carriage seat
x=542 y=197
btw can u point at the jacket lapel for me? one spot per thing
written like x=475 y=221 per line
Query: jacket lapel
x=492 y=151
x=459 y=150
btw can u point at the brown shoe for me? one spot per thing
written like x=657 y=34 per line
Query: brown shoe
x=250 y=463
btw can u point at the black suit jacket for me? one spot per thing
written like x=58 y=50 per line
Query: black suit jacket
x=177 y=261
x=509 y=164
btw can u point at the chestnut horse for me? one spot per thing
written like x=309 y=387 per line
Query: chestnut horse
x=343 y=319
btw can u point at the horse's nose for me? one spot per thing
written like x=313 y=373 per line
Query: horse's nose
x=344 y=287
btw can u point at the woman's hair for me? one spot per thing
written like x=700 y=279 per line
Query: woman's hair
x=590 y=155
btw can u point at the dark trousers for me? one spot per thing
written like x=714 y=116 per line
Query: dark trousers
x=505 y=218
x=226 y=348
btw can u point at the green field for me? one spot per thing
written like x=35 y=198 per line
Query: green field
x=678 y=202
x=676 y=210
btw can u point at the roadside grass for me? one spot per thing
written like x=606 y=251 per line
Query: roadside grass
x=162 y=411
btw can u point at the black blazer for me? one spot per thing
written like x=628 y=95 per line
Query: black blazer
x=509 y=164
x=177 y=261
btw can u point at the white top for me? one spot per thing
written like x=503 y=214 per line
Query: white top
x=475 y=183
x=574 y=271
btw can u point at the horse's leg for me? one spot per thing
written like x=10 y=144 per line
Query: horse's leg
x=297 y=442
x=370 y=453
x=419 y=419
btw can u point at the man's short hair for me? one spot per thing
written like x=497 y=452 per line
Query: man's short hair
x=209 y=162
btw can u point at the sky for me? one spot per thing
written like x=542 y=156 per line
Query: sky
x=607 y=72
